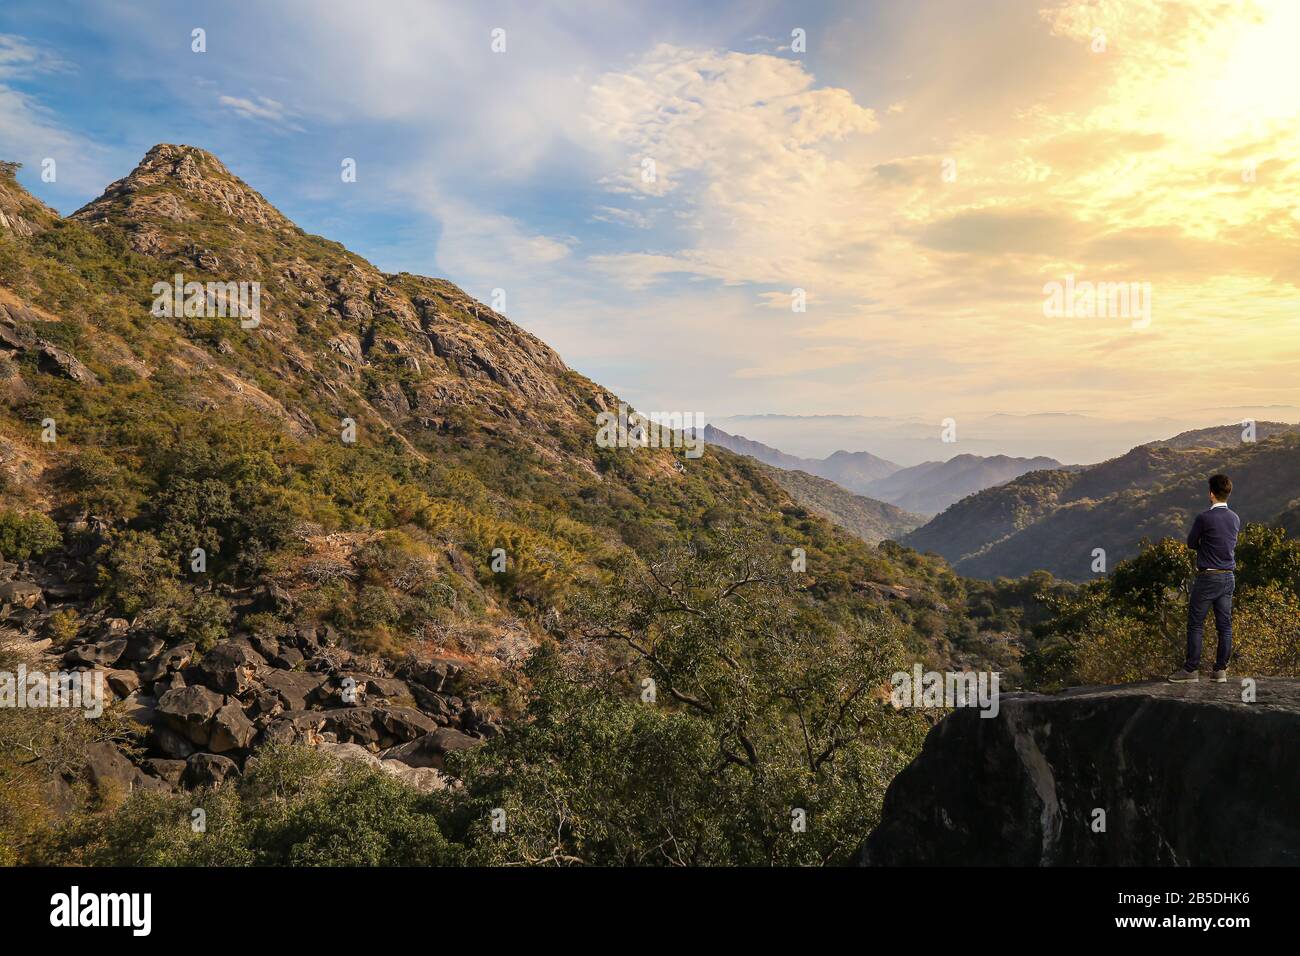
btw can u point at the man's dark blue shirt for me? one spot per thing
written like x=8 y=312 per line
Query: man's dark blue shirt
x=1214 y=536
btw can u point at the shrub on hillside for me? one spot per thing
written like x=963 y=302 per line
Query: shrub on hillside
x=1133 y=624
x=294 y=807
x=27 y=534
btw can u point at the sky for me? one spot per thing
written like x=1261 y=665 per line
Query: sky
x=762 y=212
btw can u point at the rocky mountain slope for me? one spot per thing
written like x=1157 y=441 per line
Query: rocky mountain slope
x=1150 y=774
x=1053 y=520
x=1219 y=436
x=397 y=347
x=346 y=524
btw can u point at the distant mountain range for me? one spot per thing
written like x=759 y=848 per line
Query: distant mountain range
x=932 y=486
x=852 y=470
x=924 y=489
x=1053 y=520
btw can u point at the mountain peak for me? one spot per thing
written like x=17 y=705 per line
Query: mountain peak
x=169 y=181
x=181 y=162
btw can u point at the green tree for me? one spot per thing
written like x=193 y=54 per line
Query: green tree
x=762 y=711
x=136 y=574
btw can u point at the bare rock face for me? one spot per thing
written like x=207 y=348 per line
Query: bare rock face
x=20 y=594
x=58 y=362
x=424 y=779
x=1148 y=774
x=17 y=337
x=15 y=224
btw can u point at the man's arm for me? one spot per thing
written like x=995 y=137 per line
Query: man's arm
x=1194 y=536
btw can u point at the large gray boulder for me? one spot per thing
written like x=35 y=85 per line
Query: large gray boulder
x=209 y=770
x=167 y=662
x=168 y=771
x=189 y=711
x=424 y=779
x=1185 y=775
x=230 y=667
x=56 y=361
x=296 y=727
x=295 y=688
x=124 y=683
x=20 y=594
x=174 y=745
x=107 y=769
x=105 y=653
x=404 y=723
x=380 y=726
x=142 y=709
x=435 y=674
x=349 y=753
x=230 y=730
x=429 y=750
x=388 y=687
x=142 y=647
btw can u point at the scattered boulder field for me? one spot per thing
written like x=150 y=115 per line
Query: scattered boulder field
x=200 y=716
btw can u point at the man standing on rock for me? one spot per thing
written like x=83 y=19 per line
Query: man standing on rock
x=1214 y=537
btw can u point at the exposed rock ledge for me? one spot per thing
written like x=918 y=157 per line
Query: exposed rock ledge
x=1187 y=775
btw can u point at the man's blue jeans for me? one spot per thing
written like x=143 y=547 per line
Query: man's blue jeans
x=1210 y=589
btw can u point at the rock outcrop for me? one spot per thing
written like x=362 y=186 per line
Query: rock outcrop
x=21 y=214
x=1142 y=774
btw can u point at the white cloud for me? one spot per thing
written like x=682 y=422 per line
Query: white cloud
x=434 y=77
x=747 y=145
x=261 y=108
x=622 y=217
x=20 y=58
x=479 y=247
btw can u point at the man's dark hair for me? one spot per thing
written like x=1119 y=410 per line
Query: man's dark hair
x=1221 y=487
